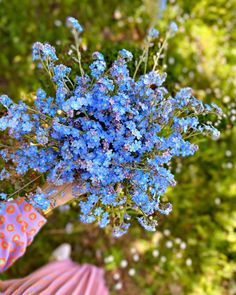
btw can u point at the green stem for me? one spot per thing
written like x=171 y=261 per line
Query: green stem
x=27 y=184
x=143 y=58
x=158 y=54
x=77 y=43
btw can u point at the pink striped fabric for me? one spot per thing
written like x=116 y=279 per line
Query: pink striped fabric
x=59 y=278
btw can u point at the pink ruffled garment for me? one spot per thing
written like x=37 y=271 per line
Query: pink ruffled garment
x=18 y=226
x=59 y=278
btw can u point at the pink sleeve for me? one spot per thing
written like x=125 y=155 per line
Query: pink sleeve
x=19 y=223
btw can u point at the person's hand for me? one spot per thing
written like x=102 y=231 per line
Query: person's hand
x=62 y=195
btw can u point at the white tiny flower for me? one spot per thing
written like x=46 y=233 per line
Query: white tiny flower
x=169 y=244
x=136 y=257
x=171 y=60
x=109 y=259
x=186 y=16
x=166 y=232
x=228 y=153
x=179 y=255
x=188 y=262
x=226 y=99
x=139 y=20
x=191 y=74
x=229 y=165
x=132 y=272
x=163 y=259
x=69 y=228
x=62 y=252
x=217 y=90
x=124 y=263
x=233 y=118
x=84 y=46
x=178 y=241
x=117 y=14
x=57 y=23
x=130 y=19
x=133 y=250
x=116 y=276
x=183 y=245
x=155 y=253
x=118 y=286
x=217 y=201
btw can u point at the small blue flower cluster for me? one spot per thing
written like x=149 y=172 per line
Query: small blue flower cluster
x=153 y=33
x=43 y=52
x=4 y=174
x=110 y=135
x=74 y=24
x=173 y=27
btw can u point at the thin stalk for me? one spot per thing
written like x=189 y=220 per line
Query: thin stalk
x=158 y=54
x=146 y=61
x=143 y=58
x=27 y=184
x=77 y=43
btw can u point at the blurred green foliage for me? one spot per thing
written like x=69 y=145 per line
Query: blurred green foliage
x=194 y=251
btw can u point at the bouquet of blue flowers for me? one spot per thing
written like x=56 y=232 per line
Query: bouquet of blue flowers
x=110 y=134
